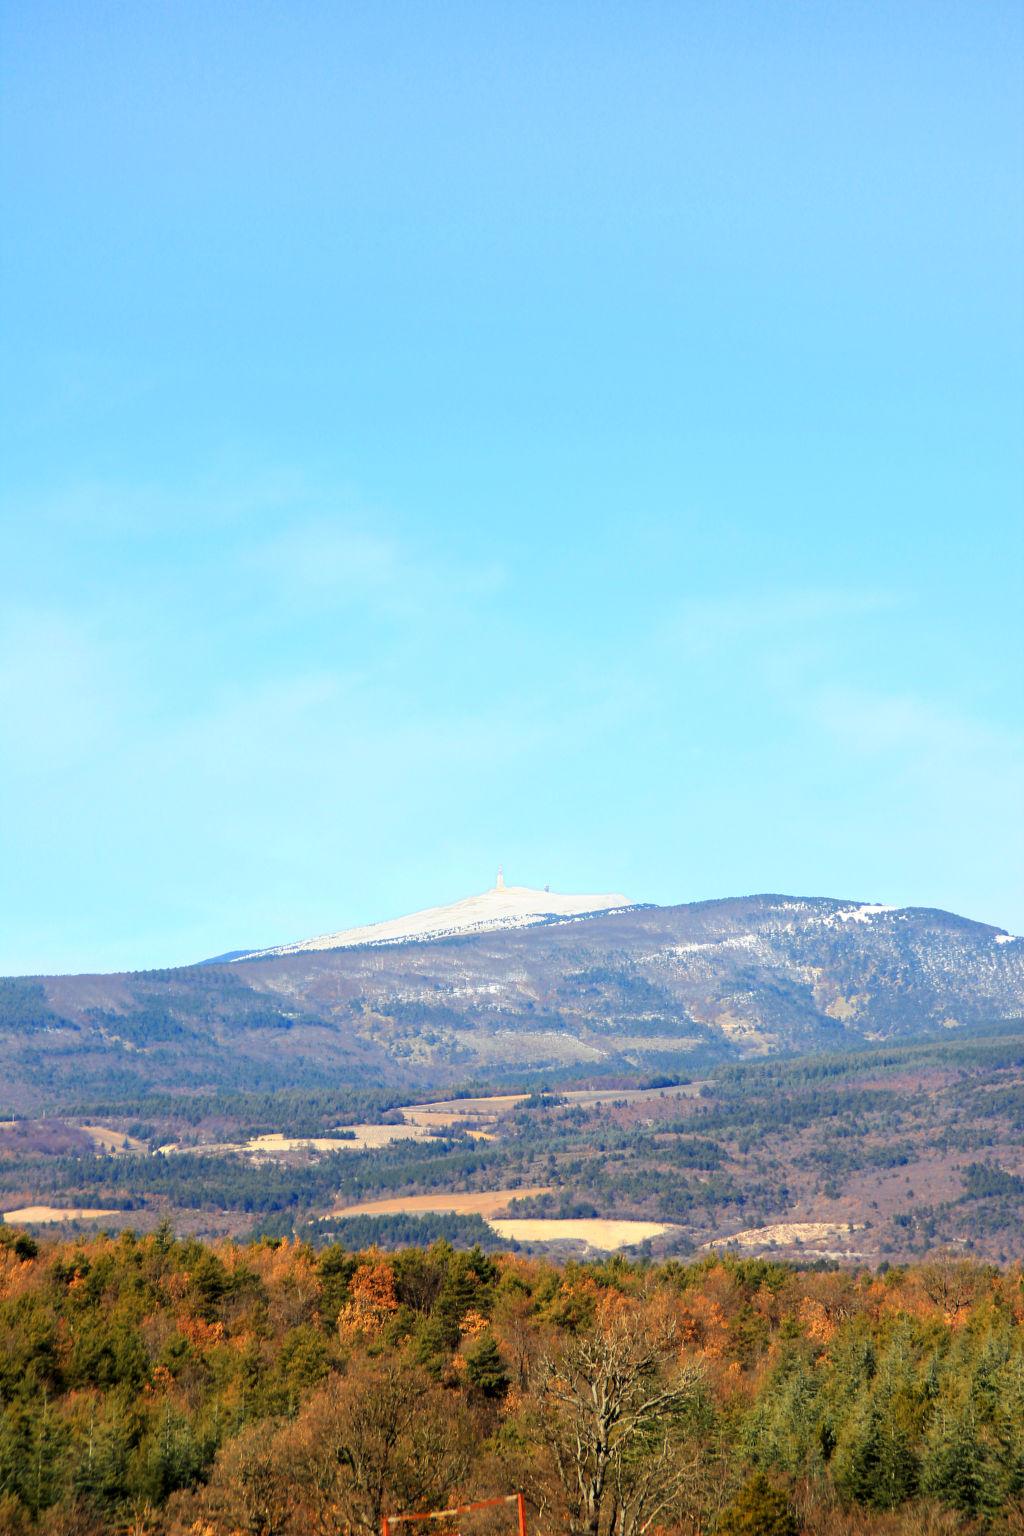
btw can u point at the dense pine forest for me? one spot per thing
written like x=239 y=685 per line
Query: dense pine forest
x=170 y=1388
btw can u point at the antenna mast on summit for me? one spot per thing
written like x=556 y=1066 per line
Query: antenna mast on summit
x=499 y=884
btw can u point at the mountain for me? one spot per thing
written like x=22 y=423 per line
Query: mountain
x=504 y=906
x=608 y=991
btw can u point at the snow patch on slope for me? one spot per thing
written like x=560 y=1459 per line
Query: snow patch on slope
x=861 y=914
x=505 y=906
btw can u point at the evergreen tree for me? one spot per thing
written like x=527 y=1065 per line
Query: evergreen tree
x=468 y=1284
x=41 y=1472
x=785 y=1430
x=954 y=1470
x=876 y=1464
x=485 y=1367
x=759 y=1509
x=102 y=1477
x=1008 y=1429
x=171 y=1458
x=433 y=1344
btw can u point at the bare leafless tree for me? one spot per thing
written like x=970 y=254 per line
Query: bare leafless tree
x=612 y=1403
x=951 y=1282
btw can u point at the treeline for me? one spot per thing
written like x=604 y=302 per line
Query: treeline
x=998 y=1046
x=217 y=1182
x=61 y=1068
x=394 y=1230
x=169 y=1388
x=295 y=1112
x=802 y=1106
x=23 y=1006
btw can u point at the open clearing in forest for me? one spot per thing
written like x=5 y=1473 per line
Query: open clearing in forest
x=277 y=1144
x=787 y=1232
x=596 y=1231
x=588 y=1097
x=29 y=1214
x=486 y=1203
x=447 y=1112
x=362 y=1136
x=605 y=1234
x=106 y=1140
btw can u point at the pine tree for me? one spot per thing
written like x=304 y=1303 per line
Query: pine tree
x=485 y=1367
x=759 y=1509
x=876 y=1464
x=1008 y=1430
x=954 y=1470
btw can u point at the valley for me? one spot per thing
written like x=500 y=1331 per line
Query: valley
x=861 y=1157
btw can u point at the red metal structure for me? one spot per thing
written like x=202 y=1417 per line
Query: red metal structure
x=460 y=1509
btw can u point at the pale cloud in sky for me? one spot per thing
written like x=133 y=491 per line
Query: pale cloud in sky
x=59 y=685
x=344 y=559
x=969 y=764
x=291 y=686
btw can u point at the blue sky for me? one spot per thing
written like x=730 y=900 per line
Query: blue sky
x=585 y=436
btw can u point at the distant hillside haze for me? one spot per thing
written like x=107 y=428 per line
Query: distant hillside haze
x=618 y=990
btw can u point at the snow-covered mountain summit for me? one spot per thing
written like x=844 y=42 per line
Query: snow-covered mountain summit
x=504 y=906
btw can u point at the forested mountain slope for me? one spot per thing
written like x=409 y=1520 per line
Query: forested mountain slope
x=648 y=987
